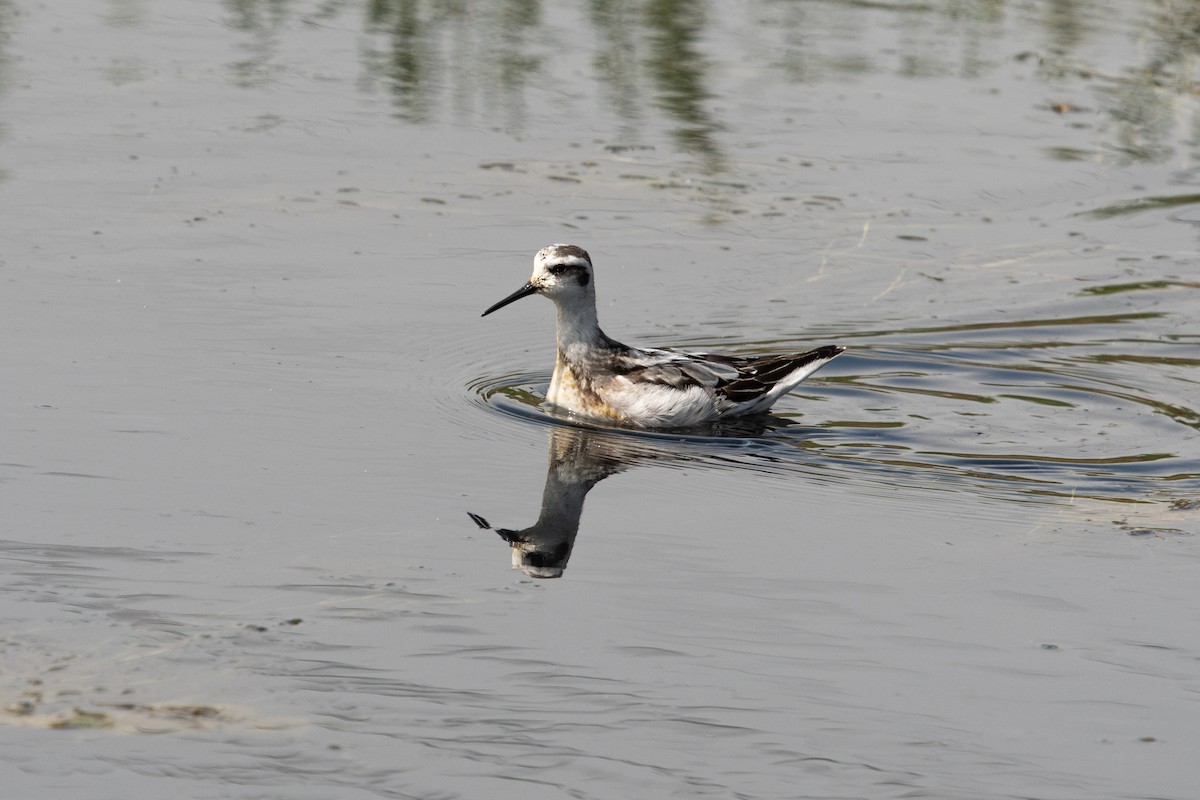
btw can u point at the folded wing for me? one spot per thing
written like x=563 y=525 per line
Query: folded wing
x=736 y=379
x=758 y=377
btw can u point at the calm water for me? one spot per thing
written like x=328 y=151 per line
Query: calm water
x=259 y=444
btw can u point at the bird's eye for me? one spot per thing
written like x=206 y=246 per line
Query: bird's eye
x=556 y=269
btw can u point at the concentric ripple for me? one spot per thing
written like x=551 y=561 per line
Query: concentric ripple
x=1039 y=410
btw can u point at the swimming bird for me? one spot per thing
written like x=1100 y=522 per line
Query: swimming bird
x=599 y=378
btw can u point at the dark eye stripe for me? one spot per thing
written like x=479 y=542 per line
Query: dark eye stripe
x=578 y=270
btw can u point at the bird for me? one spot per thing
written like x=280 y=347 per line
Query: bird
x=599 y=379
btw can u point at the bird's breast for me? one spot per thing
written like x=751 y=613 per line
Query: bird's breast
x=575 y=389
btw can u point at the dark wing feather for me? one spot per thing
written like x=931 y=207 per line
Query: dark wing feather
x=757 y=376
x=739 y=379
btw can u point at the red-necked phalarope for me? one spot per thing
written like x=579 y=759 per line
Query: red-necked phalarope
x=600 y=378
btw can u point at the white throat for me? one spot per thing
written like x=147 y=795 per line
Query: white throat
x=577 y=323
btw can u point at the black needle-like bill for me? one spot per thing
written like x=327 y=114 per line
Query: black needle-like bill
x=524 y=291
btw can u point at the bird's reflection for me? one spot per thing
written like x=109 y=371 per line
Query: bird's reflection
x=579 y=458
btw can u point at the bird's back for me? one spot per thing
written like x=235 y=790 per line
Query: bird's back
x=668 y=388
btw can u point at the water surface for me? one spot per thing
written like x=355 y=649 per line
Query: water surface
x=249 y=403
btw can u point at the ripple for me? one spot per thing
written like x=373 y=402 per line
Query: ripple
x=521 y=396
x=965 y=407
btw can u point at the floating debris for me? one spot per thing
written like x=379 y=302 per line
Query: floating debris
x=83 y=719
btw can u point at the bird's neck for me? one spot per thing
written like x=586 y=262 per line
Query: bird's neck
x=577 y=325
